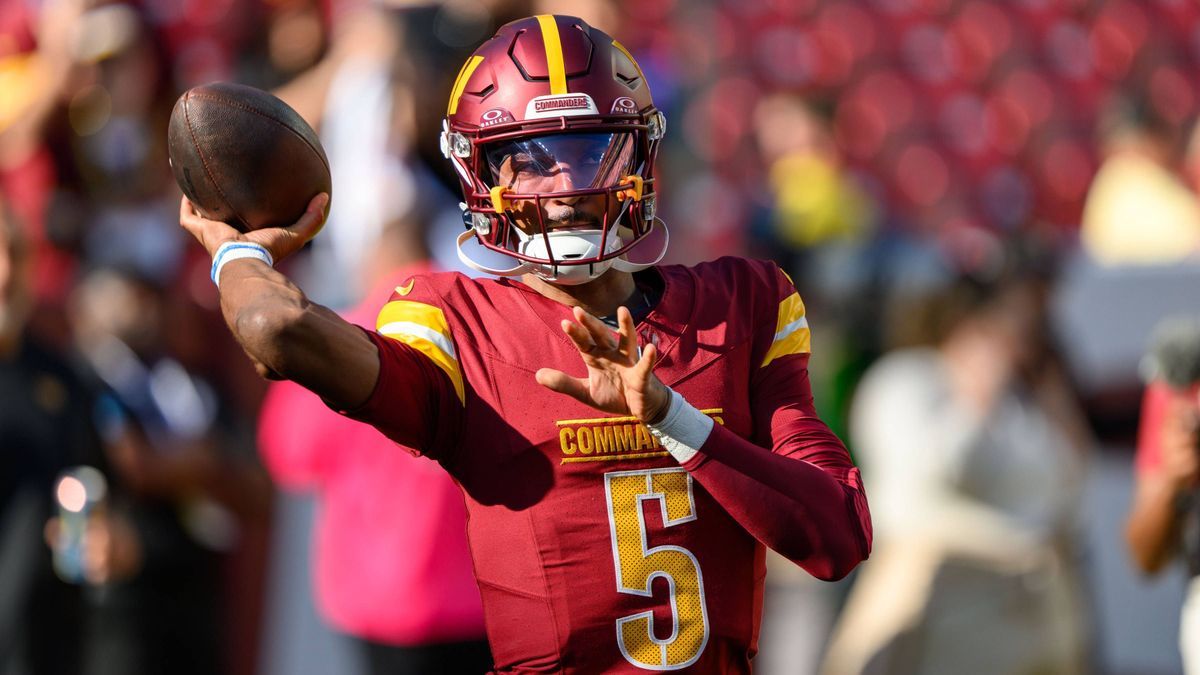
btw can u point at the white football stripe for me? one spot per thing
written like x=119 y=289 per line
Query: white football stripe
x=423 y=332
x=792 y=327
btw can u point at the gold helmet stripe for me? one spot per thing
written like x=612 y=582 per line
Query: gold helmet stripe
x=554 y=54
x=460 y=82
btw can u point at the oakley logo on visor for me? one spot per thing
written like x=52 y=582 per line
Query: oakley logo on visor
x=566 y=105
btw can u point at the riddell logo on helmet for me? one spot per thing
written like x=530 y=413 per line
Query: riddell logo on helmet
x=563 y=105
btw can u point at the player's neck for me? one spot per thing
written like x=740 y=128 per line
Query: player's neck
x=600 y=297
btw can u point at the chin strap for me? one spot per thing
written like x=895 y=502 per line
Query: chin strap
x=626 y=266
x=466 y=260
x=619 y=263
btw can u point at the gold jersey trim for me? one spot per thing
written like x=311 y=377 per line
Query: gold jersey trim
x=424 y=328
x=792 y=334
x=609 y=439
x=611 y=458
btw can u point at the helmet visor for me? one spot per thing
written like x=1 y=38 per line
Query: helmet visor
x=561 y=162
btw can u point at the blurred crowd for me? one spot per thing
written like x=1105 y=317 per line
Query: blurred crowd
x=952 y=184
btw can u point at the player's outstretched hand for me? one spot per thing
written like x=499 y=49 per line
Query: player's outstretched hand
x=280 y=241
x=619 y=381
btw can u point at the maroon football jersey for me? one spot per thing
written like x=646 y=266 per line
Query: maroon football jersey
x=595 y=551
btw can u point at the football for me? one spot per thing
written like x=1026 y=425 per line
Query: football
x=244 y=157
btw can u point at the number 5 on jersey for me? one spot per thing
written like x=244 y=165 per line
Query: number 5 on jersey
x=638 y=564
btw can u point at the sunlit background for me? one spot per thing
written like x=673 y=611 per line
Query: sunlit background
x=882 y=151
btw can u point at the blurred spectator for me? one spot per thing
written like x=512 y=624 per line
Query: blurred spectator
x=1140 y=210
x=819 y=224
x=972 y=449
x=815 y=203
x=38 y=70
x=403 y=587
x=392 y=565
x=44 y=411
x=815 y=223
x=1164 y=519
x=114 y=191
x=361 y=99
x=176 y=483
x=426 y=41
x=86 y=150
x=293 y=39
x=438 y=37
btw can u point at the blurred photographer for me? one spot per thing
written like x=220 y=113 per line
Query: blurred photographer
x=1164 y=521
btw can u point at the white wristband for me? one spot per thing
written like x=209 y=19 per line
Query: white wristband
x=683 y=430
x=236 y=250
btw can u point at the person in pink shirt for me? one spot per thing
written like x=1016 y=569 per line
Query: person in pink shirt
x=391 y=561
x=1163 y=525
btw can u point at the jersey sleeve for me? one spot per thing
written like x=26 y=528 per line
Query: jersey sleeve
x=791 y=335
x=793 y=486
x=785 y=416
x=420 y=396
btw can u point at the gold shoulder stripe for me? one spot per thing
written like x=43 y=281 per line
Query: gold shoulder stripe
x=460 y=82
x=424 y=328
x=790 y=309
x=411 y=311
x=792 y=335
x=554 y=54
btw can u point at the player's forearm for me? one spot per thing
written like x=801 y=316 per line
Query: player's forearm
x=1152 y=531
x=290 y=337
x=817 y=518
x=803 y=497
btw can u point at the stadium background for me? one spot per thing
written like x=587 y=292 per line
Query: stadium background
x=873 y=148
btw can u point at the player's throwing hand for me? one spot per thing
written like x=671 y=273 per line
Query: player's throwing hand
x=279 y=241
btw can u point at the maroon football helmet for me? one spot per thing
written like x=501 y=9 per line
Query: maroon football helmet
x=548 y=111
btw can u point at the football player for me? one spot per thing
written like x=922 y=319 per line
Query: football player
x=629 y=436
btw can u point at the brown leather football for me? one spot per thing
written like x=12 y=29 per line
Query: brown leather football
x=244 y=157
